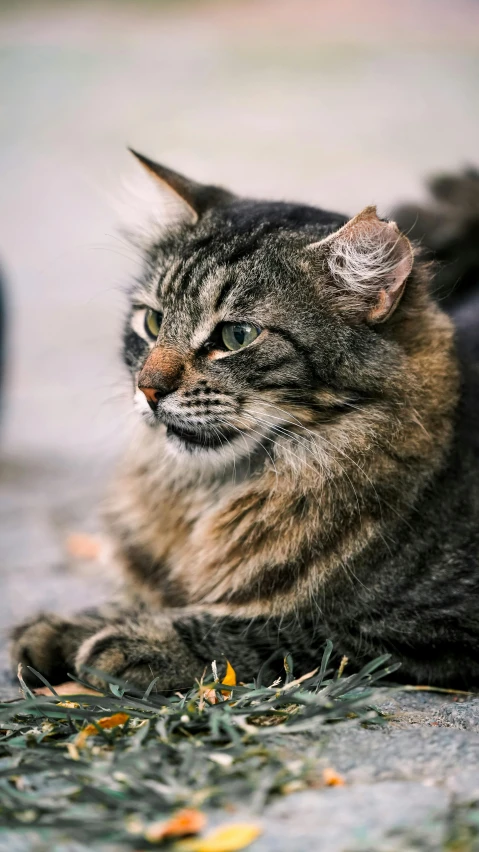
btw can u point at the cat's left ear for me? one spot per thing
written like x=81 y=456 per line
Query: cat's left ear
x=189 y=199
x=369 y=261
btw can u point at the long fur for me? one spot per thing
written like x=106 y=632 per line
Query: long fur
x=332 y=489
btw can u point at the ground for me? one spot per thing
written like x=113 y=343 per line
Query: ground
x=340 y=104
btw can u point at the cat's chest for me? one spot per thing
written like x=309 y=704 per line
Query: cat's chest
x=172 y=529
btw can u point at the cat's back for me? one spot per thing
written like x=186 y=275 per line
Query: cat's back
x=466 y=321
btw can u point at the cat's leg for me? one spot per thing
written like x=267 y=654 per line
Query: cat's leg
x=49 y=643
x=175 y=647
x=137 y=650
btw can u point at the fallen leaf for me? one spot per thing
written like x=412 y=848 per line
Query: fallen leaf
x=299 y=680
x=187 y=821
x=229 y=679
x=107 y=723
x=230 y=838
x=230 y=676
x=68 y=688
x=206 y=694
x=332 y=778
x=83 y=546
x=72 y=751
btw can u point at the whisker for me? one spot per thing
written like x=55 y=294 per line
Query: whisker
x=297 y=438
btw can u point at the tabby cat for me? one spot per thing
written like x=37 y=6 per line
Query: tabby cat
x=306 y=465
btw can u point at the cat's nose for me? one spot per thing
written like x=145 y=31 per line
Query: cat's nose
x=155 y=388
x=152 y=396
x=161 y=374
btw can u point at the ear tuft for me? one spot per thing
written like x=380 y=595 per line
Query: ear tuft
x=196 y=198
x=180 y=190
x=370 y=261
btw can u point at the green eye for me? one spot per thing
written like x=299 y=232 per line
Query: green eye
x=153 y=323
x=237 y=335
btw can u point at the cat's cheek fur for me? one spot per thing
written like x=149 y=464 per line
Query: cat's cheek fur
x=143 y=409
x=228 y=453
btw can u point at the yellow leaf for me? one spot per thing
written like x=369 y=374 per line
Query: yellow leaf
x=186 y=821
x=230 y=838
x=107 y=722
x=229 y=679
x=230 y=676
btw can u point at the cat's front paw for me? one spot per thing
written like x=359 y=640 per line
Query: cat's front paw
x=137 y=656
x=40 y=643
x=49 y=644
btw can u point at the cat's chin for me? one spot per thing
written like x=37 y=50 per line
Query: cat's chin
x=208 y=449
x=193 y=440
x=230 y=451
x=203 y=446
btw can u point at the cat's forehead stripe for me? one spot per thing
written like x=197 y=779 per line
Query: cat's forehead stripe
x=202 y=283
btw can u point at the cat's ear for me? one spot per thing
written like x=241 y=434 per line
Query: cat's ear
x=369 y=261
x=186 y=199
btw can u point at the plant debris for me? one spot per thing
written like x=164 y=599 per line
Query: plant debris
x=332 y=778
x=186 y=821
x=133 y=769
x=229 y=838
x=107 y=724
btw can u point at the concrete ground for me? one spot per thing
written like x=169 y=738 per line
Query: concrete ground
x=343 y=104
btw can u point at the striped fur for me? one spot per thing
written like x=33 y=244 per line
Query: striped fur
x=326 y=493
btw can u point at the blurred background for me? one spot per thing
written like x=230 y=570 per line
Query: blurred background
x=335 y=102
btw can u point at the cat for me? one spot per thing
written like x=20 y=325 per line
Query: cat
x=448 y=229
x=306 y=465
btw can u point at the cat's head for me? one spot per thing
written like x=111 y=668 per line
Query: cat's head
x=255 y=320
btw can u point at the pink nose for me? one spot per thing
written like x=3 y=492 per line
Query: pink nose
x=161 y=374
x=152 y=395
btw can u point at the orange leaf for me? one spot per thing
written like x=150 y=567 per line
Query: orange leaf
x=209 y=694
x=230 y=838
x=82 y=546
x=230 y=676
x=187 y=821
x=332 y=778
x=229 y=679
x=107 y=722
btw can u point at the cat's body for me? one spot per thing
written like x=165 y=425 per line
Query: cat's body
x=319 y=474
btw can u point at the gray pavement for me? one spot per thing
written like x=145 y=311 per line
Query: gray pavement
x=342 y=104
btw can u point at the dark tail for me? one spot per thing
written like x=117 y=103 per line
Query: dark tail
x=448 y=230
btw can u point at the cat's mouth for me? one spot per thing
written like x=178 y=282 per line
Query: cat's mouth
x=196 y=438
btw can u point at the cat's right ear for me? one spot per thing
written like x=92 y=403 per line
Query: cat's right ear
x=369 y=261
x=184 y=199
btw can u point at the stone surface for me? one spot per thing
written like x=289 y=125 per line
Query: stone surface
x=341 y=104
x=385 y=817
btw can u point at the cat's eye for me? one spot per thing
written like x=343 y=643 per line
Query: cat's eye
x=153 y=323
x=237 y=335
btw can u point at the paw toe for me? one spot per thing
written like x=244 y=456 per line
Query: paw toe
x=37 y=643
x=116 y=654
